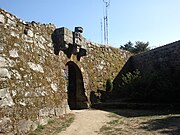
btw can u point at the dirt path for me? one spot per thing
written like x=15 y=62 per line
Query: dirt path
x=87 y=122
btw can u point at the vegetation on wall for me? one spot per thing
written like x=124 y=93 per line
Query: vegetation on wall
x=160 y=86
x=136 y=48
x=109 y=85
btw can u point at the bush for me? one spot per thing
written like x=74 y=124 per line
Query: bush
x=109 y=85
x=160 y=86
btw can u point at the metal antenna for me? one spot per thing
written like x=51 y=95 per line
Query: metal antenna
x=101 y=32
x=106 y=32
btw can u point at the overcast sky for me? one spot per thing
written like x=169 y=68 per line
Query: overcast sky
x=155 y=21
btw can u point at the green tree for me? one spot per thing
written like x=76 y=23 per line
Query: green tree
x=136 y=48
x=128 y=46
x=141 y=47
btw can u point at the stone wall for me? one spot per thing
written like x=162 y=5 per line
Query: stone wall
x=164 y=58
x=32 y=83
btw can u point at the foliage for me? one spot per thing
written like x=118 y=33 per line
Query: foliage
x=128 y=46
x=130 y=81
x=136 y=48
x=109 y=85
x=160 y=86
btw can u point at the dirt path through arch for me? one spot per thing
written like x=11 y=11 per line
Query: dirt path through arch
x=87 y=122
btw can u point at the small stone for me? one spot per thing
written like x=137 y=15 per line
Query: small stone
x=1 y=48
x=3 y=62
x=27 y=38
x=54 y=87
x=29 y=33
x=24 y=126
x=16 y=74
x=42 y=46
x=43 y=112
x=10 y=22
x=22 y=103
x=50 y=45
x=2 y=20
x=4 y=73
x=16 y=44
x=13 y=34
x=6 y=125
x=13 y=53
x=6 y=99
x=35 y=67
x=58 y=112
x=22 y=21
x=43 y=121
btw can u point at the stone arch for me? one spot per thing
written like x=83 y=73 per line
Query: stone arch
x=76 y=91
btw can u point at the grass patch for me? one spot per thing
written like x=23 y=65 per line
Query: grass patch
x=37 y=130
x=50 y=121
x=64 y=125
x=54 y=126
x=113 y=122
x=105 y=128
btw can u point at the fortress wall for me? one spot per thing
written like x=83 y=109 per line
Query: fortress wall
x=32 y=81
x=162 y=59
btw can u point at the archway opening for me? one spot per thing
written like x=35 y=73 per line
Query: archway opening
x=76 y=91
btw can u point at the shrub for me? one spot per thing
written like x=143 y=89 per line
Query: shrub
x=109 y=85
x=159 y=86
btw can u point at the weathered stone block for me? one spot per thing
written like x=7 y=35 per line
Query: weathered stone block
x=11 y=22
x=2 y=19
x=43 y=121
x=44 y=112
x=36 y=67
x=30 y=33
x=54 y=87
x=13 y=53
x=6 y=125
x=5 y=98
x=24 y=126
x=14 y=34
x=4 y=73
x=59 y=111
x=3 y=62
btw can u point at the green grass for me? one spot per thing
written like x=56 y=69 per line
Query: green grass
x=54 y=126
x=37 y=130
x=64 y=125
x=113 y=122
x=50 y=121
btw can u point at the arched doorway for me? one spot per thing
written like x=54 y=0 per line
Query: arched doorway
x=76 y=92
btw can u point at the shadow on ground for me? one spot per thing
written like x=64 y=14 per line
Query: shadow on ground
x=129 y=113
x=155 y=121
x=169 y=125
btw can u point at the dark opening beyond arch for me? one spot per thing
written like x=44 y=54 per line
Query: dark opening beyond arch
x=76 y=92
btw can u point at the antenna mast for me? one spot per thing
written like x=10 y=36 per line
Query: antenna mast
x=106 y=32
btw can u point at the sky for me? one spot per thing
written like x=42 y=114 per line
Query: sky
x=153 y=21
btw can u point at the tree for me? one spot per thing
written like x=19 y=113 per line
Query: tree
x=137 y=48
x=141 y=47
x=128 y=46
